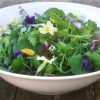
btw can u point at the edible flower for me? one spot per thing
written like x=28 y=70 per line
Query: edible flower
x=28 y=52
x=15 y=20
x=24 y=52
x=45 y=49
x=1 y=29
x=86 y=63
x=76 y=23
x=42 y=58
x=17 y=53
x=4 y=29
x=47 y=28
x=76 y=14
x=52 y=48
x=94 y=43
x=29 y=20
x=46 y=45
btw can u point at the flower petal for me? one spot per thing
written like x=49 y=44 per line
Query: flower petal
x=29 y=20
x=42 y=58
x=17 y=53
x=46 y=45
x=28 y=52
x=49 y=24
x=87 y=63
x=78 y=25
x=48 y=28
x=42 y=30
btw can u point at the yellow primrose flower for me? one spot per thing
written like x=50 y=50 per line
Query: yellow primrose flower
x=1 y=29
x=28 y=52
x=76 y=14
x=15 y=20
x=47 y=28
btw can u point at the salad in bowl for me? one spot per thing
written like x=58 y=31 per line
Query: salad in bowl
x=49 y=45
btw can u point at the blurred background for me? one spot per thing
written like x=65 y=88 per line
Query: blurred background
x=4 y=3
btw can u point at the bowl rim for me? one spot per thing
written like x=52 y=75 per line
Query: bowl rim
x=47 y=77
x=39 y=2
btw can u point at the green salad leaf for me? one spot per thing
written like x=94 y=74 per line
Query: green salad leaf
x=51 y=44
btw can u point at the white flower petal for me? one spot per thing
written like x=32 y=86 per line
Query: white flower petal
x=52 y=60
x=43 y=24
x=47 y=28
x=52 y=33
x=1 y=29
x=49 y=24
x=54 y=29
x=42 y=30
x=41 y=58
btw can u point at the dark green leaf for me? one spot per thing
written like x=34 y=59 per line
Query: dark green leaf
x=49 y=69
x=34 y=61
x=23 y=43
x=95 y=58
x=75 y=64
x=62 y=47
x=32 y=39
x=18 y=65
x=55 y=11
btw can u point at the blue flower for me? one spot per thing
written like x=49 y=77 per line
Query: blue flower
x=72 y=20
x=17 y=53
x=29 y=20
x=86 y=63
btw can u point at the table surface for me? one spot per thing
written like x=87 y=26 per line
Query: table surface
x=10 y=92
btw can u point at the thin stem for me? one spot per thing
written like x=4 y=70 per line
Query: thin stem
x=66 y=31
x=23 y=10
x=27 y=66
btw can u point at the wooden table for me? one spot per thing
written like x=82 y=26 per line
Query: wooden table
x=10 y=92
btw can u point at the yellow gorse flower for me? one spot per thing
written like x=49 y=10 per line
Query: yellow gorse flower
x=28 y=52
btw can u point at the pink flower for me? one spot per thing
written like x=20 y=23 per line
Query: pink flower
x=46 y=45
x=94 y=43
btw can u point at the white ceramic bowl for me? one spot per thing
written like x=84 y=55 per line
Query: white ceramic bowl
x=50 y=85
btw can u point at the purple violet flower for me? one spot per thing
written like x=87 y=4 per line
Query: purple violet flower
x=93 y=46
x=29 y=20
x=86 y=63
x=94 y=43
x=17 y=53
x=72 y=20
x=76 y=23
